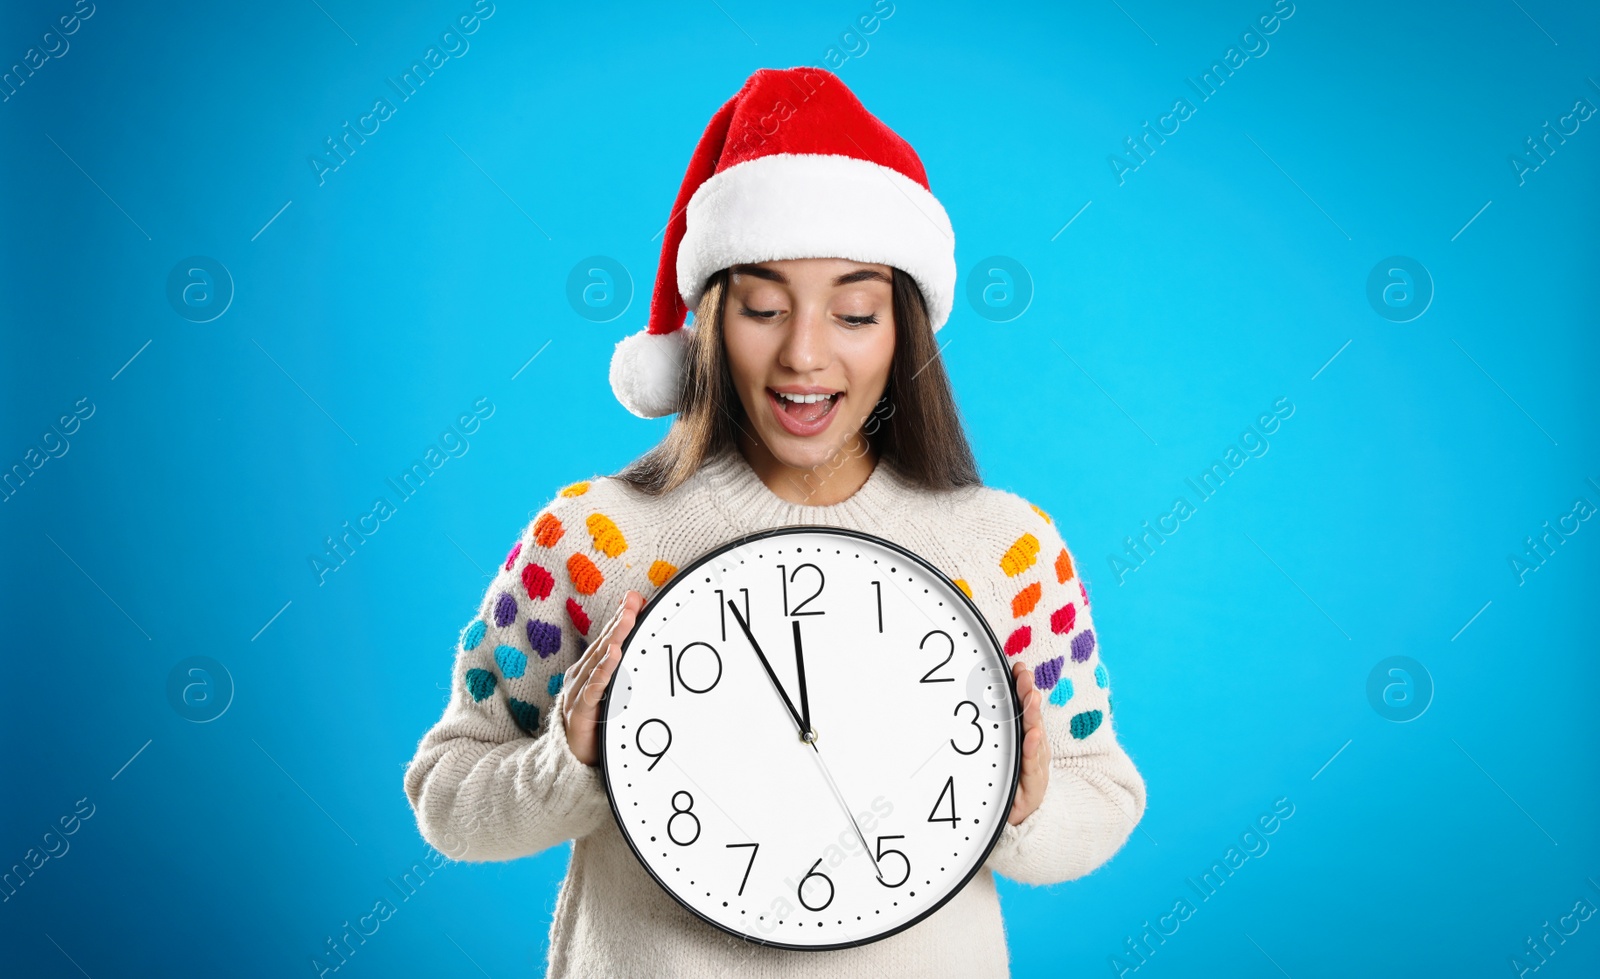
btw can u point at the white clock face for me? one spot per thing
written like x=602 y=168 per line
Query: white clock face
x=850 y=837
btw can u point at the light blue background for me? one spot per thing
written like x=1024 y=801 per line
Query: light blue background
x=1229 y=270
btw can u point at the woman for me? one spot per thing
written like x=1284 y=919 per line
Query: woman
x=809 y=391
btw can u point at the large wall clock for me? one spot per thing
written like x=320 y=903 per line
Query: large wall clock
x=811 y=739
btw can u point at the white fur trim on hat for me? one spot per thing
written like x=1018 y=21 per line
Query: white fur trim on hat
x=647 y=371
x=788 y=205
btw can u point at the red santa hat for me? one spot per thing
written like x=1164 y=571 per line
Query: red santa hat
x=793 y=166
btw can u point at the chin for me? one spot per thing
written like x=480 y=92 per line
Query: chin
x=806 y=455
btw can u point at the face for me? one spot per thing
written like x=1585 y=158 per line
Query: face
x=809 y=343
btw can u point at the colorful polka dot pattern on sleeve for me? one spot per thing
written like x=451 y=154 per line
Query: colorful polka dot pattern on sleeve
x=512 y=649
x=1052 y=631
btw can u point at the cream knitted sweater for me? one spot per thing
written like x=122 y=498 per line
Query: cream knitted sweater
x=495 y=778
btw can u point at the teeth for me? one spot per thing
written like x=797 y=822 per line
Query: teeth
x=803 y=399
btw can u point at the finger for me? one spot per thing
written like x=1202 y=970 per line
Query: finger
x=578 y=673
x=1030 y=710
x=1024 y=681
x=610 y=646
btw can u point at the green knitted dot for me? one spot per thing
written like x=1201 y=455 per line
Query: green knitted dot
x=480 y=683
x=1085 y=724
x=525 y=714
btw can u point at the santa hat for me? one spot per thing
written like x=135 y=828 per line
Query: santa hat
x=793 y=166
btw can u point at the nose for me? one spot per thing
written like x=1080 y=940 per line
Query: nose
x=806 y=349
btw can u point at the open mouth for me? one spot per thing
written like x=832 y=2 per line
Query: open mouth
x=804 y=414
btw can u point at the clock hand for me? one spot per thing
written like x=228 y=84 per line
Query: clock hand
x=839 y=797
x=805 y=727
x=765 y=665
x=806 y=734
x=810 y=737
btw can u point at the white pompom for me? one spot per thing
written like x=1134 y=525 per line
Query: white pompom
x=647 y=371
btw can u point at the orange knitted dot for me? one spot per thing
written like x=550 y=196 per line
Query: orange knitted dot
x=585 y=576
x=1063 y=565
x=661 y=572
x=547 y=530
x=1041 y=513
x=961 y=584
x=608 y=540
x=1026 y=599
x=1020 y=556
x=576 y=489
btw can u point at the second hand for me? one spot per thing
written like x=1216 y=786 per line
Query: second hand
x=839 y=797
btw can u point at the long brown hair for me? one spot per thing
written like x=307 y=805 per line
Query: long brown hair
x=916 y=426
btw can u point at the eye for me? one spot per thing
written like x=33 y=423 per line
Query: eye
x=860 y=320
x=763 y=314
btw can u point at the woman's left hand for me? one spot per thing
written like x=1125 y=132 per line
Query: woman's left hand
x=1035 y=746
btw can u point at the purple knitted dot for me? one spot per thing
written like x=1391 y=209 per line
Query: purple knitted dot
x=1048 y=673
x=1082 y=645
x=543 y=637
x=505 y=610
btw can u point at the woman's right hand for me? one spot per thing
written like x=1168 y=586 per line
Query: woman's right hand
x=586 y=680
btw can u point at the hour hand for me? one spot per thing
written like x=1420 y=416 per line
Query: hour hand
x=745 y=626
x=806 y=734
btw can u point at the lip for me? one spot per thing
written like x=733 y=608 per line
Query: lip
x=793 y=425
x=803 y=389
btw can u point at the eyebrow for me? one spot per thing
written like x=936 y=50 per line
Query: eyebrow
x=773 y=275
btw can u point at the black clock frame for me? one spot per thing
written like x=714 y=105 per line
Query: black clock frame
x=683 y=575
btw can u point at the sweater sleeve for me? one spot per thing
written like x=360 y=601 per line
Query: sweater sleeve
x=1095 y=795
x=495 y=778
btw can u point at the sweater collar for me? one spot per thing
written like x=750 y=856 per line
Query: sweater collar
x=749 y=505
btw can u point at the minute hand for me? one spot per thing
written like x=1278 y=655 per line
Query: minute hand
x=799 y=726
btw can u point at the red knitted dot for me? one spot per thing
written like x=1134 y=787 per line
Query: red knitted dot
x=537 y=580
x=579 y=617
x=1062 y=618
x=1018 y=640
